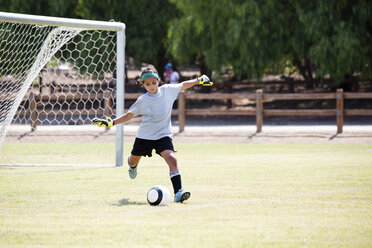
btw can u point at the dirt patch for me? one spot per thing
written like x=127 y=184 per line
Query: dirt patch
x=207 y=135
x=299 y=137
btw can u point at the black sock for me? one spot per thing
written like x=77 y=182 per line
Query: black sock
x=176 y=181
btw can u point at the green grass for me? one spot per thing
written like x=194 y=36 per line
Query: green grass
x=242 y=196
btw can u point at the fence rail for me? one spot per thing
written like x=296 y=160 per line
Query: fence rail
x=259 y=97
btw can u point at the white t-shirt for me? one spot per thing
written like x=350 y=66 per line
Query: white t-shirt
x=156 y=111
x=174 y=78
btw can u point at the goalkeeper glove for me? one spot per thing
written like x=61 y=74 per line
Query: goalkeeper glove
x=204 y=80
x=108 y=122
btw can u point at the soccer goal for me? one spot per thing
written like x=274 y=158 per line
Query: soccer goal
x=56 y=75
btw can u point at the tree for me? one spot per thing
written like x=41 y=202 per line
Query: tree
x=146 y=21
x=146 y=25
x=328 y=38
x=339 y=33
x=226 y=33
x=59 y=8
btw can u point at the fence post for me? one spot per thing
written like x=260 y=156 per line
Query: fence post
x=259 y=110
x=33 y=112
x=181 y=111
x=340 y=109
x=229 y=89
x=108 y=104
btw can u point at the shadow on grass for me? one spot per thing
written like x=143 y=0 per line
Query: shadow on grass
x=126 y=202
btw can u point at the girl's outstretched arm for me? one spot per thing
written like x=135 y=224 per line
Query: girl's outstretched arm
x=123 y=118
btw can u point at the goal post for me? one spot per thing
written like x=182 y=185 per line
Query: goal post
x=120 y=97
x=57 y=74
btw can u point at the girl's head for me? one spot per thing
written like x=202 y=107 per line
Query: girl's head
x=149 y=79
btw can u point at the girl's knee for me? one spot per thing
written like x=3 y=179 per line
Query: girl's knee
x=170 y=157
x=168 y=154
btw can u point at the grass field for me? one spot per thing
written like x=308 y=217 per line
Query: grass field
x=242 y=196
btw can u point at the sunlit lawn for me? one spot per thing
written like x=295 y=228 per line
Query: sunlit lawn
x=242 y=196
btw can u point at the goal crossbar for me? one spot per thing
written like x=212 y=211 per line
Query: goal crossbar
x=59 y=21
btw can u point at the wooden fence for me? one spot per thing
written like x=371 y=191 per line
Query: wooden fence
x=259 y=97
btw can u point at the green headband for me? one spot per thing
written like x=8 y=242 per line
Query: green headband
x=149 y=75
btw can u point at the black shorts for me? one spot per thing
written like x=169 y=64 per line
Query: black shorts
x=143 y=147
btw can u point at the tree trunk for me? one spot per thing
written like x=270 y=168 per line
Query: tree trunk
x=206 y=71
x=306 y=70
x=161 y=62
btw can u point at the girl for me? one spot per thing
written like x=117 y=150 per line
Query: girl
x=155 y=130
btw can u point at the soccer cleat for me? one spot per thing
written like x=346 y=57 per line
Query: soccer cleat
x=181 y=196
x=132 y=171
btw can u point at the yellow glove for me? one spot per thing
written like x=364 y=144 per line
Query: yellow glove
x=108 y=122
x=204 y=80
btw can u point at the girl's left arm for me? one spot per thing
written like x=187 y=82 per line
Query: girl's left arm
x=188 y=84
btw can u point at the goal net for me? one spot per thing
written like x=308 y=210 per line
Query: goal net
x=56 y=75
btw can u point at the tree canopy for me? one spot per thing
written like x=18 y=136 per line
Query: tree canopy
x=318 y=38
x=321 y=38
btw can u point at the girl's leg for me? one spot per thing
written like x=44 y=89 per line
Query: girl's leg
x=174 y=174
x=179 y=194
x=133 y=160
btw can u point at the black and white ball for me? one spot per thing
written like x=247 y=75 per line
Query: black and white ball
x=158 y=196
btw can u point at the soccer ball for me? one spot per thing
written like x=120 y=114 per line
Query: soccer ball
x=158 y=196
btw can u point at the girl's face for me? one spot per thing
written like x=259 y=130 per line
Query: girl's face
x=151 y=85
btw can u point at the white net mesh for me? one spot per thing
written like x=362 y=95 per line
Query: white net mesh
x=53 y=81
